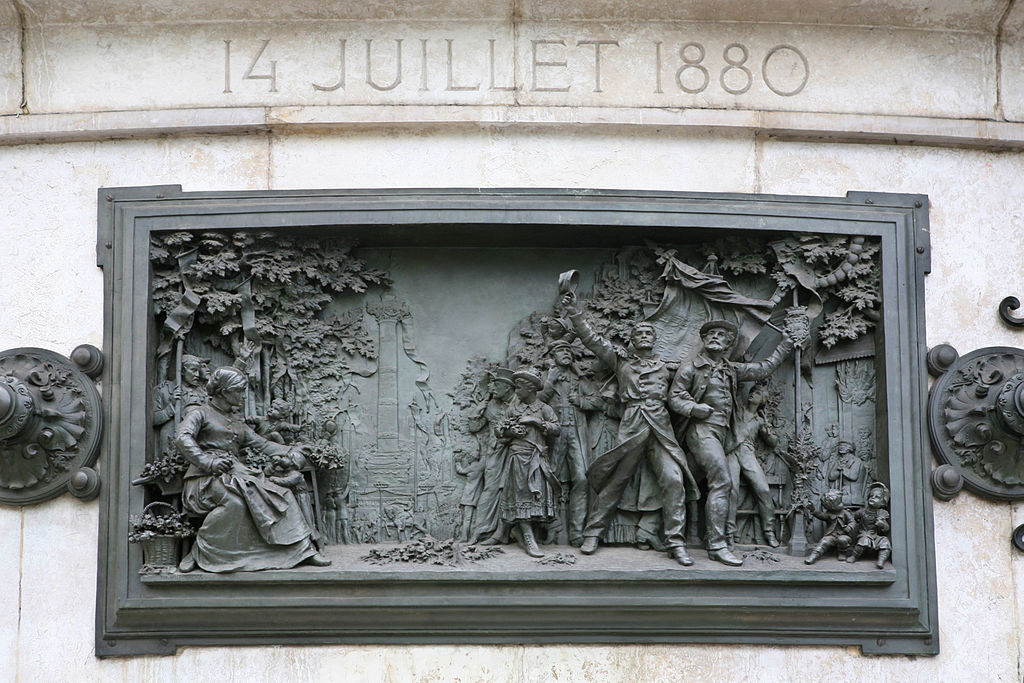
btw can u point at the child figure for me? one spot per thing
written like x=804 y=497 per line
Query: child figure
x=840 y=526
x=330 y=518
x=343 y=522
x=750 y=423
x=275 y=426
x=873 y=524
x=281 y=471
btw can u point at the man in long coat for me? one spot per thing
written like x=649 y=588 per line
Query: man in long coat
x=644 y=432
x=572 y=396
x=484 y=486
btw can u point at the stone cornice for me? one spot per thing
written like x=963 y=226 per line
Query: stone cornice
x=947 y=73
x=980 y=16
x=856 y=128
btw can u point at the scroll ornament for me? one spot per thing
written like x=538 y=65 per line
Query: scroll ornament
x=976 y=419
x=50 y=424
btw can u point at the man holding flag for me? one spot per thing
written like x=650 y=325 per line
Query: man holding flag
x=644 y=432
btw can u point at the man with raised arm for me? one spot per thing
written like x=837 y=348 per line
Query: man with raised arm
x=705 y=390
x=644 y=432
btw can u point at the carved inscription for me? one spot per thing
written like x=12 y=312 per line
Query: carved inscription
x=549 y=65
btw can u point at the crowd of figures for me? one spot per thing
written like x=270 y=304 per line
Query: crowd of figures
x=586 y=434
x=600 y=444
x=605 y=444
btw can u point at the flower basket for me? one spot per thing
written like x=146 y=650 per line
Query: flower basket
x=159 y=554
x=159 y=534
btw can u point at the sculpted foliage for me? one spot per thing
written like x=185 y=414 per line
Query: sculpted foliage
x=285 y=284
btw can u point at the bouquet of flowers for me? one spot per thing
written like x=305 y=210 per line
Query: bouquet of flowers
x=325 y=455
x=165 y=469
x=151 y=524
x=510 y=427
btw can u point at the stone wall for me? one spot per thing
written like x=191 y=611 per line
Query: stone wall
x=109 y=93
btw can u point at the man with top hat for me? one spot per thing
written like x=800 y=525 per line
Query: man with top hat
x=705 y=391
x=572 y=396
x=645 y=431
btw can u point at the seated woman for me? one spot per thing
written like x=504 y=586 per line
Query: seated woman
x=251 y=522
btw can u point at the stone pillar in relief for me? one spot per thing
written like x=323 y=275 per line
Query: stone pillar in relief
x=388 y=313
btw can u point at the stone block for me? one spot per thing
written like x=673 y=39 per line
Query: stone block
x=577 y=663
x=485 y=663
x=961 y=15
x=58 y=570
x=231 y=64
x=11 y=521
x=1011 y=64
x=964 y=15
x=771 y=67
x=10 y=60
x=516 y=158
x=124 y=12
x=782 y=67
x=1018 y=573
x=54 y=253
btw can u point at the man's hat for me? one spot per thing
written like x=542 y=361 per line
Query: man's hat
x=502 y=375
x=718 y=325
x=531 y=377
x=559 y=344
x=561 y=326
